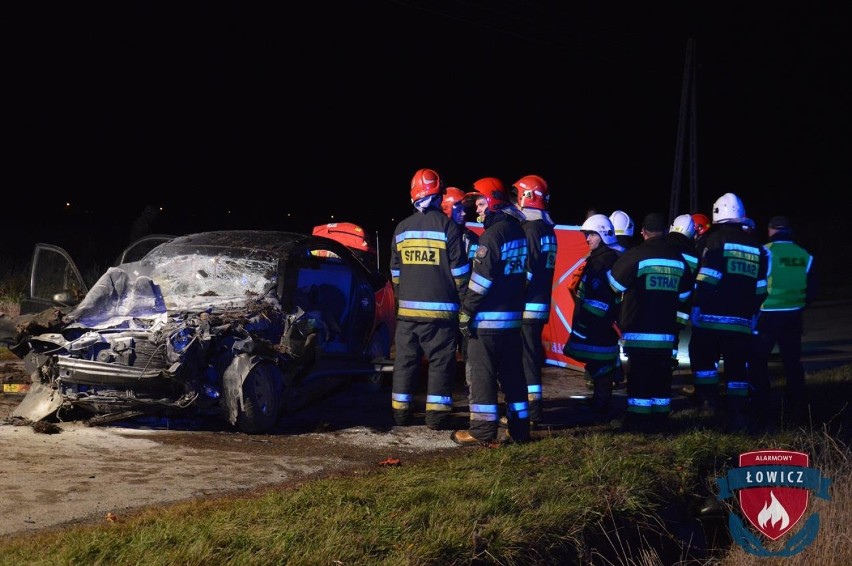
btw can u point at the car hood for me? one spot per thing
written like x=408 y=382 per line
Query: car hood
x=136 y=295
x=119 y=299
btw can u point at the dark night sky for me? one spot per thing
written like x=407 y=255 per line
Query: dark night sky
x=328 y=109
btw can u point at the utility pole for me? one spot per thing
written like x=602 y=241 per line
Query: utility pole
x=687 y=119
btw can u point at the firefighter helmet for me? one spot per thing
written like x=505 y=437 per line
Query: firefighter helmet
x=728 y=208
x=532 y=192
x=702 y=223
x=684 y=225
x=602 y=225
x=492 y=189
x=425 y=182
x=621 y=223
x=451 y=196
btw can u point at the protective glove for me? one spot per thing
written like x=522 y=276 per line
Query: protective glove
x=464 y=325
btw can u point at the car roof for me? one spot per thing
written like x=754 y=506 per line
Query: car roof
x=265 y=240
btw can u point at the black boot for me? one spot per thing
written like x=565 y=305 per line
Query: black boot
x=602 y=398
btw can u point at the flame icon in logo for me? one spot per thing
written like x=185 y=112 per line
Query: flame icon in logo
x=773 y=512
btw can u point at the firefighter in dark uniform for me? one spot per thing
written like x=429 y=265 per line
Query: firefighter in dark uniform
x=429 y=271
x=594 y=339
x=623 y=225
x=729 y=289
x=682 y=236
x=533 y=197
x=453 y=206
x=655 y=280
x=491 y=316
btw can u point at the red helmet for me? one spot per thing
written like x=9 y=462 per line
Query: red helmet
x=425 y=182
x=494 y=192
x=532 y=192
x=702 y=223
x=451 y=197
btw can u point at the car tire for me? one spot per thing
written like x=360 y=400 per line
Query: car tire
x=263 y=390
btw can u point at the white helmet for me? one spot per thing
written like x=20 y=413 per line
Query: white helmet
x=728 y=208
x=622 y=223
x=602 y=225
x=683 y=224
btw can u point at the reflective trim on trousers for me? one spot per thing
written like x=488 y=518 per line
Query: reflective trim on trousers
x=483 y=412
x=439 y=403
x=636 y=405
x=401 y=401
x=661 y=405
x=737 y=389
x=707 y=377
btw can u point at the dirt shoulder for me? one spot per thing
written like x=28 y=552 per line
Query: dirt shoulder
x=79 y=473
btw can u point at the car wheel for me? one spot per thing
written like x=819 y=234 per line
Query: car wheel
x=263 y=391
x=378 y=348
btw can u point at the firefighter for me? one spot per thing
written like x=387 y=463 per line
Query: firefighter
x=533 y=197
x=429 y=271
x=594 y=338
x=491 y=316
x=729 y=289
x=655 y=280
x=453 y=206
x=623 y=225
x=702 y=225
x=682 y=236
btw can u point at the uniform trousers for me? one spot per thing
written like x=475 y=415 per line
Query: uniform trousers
x=494 y=364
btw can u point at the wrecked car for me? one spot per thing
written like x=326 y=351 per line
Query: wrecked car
x=225 y=323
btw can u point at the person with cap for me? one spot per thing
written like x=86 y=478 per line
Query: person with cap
x=655 y=281
x=491 y=316
x=623 y=225
x=729 y=289
x=790 y=287
x=681 y=236
x=531 y=194
x=594 y=338
x=429 y=272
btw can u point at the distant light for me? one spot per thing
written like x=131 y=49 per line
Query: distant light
x=67 y=205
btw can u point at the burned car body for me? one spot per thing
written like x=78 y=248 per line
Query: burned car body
x=226 y=323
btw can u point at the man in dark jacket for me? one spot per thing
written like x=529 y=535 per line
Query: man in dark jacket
x=682 y=236
x=533 y=197
x=655 y=281
x=791 y=287
x=429 y=270
x=594 y=339
x=491 y=316
x=729 y=288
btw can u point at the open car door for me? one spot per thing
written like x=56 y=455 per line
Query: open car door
x=55 y=280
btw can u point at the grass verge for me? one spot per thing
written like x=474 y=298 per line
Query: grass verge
x=576 y=497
